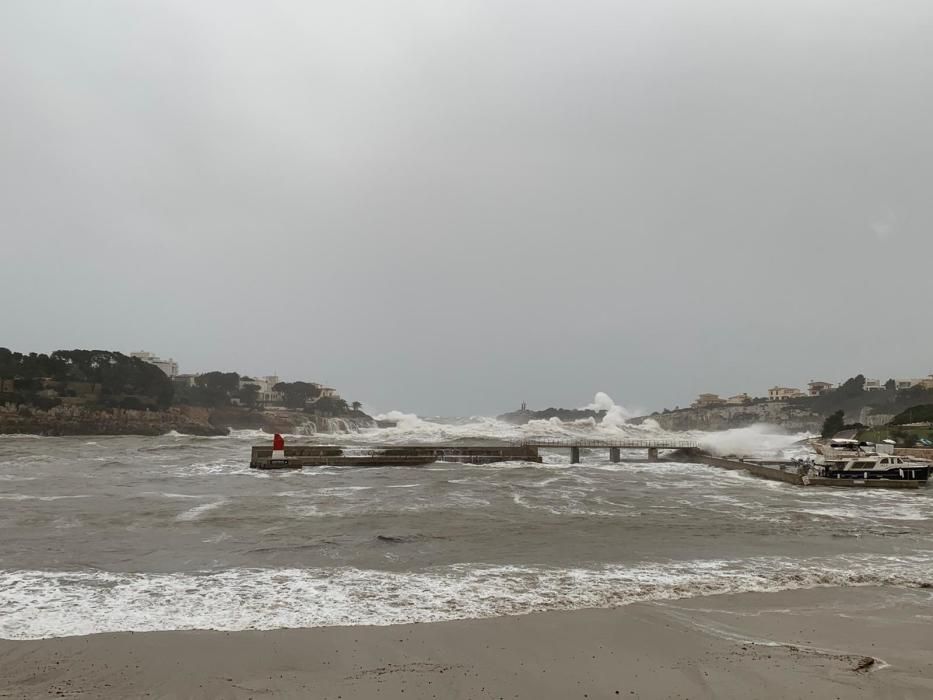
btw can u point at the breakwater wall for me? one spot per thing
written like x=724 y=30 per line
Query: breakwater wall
x=786 y=472
x=773 y=473
x=296 y=456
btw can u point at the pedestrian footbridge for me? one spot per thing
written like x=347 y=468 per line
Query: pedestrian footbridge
x=614 y=446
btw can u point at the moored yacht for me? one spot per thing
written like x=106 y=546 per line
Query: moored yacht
x=851 y=459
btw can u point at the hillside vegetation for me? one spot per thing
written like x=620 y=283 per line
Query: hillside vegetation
x=98 y=378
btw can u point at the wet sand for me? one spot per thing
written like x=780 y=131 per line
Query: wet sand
x=820 y=643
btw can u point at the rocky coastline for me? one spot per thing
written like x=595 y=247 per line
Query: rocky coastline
x=792 y=418
x=190 y=420
x=523 y=416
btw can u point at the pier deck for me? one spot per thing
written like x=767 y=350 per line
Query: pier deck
x=614 y=446
x=297 y=456
x=786 y=472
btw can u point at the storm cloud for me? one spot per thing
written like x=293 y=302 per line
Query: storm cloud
x=453 y=207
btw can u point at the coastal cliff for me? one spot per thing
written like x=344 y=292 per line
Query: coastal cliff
x=79 y=420
x=790 y=417
x=190 y=420
x=281 y=420
x=103 y=392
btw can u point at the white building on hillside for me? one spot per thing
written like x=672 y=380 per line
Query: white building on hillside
x=169 y=366
x=818 y=388
x=783 y=393
x=266 y=393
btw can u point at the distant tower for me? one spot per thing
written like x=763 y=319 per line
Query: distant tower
x=524 y=406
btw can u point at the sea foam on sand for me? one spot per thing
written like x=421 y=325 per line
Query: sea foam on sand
x=40 y=604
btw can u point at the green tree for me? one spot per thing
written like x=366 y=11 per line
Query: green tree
x=853 y=386
x=117 y=374
x=216 y=388
x=297 y=394
x=914 y=414
x=356 y=405
x=249 y=393
x=330 y=406
x=833 y=424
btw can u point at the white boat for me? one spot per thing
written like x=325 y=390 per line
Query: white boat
x=851 y=459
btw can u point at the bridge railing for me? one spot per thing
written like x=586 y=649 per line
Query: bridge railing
x=624 y=444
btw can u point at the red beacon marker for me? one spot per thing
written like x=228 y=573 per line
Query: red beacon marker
x=278 y=450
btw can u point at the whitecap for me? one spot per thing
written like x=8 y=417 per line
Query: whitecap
x=39 y=604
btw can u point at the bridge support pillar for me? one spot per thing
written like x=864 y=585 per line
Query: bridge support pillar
x=574 y=455
x=614 y=454
x=652 y=454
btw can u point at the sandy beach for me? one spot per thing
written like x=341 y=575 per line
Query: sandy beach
x=818 y=643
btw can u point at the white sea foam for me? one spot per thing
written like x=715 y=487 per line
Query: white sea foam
x=874 y=512
x=616 y=415
x=411 y=428
x=196 y=512
x=251 y=435
x=217 y=466
x=163 y=494
x=754 y=441
x=39 y=604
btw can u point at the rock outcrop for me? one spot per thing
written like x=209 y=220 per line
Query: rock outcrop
x=190 y=420
x=565 y=414
x=77 y=420
x=289 y=421
x=791 y=418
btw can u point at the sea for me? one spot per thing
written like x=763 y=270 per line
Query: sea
x=103 y=534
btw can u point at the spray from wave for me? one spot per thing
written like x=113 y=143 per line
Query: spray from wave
x=754 y=441
x=758 y=440
x=761 y=440
x=616 y=415
x=403 y=421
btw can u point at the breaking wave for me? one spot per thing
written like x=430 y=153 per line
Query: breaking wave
x=754 y=441
x=41 y=604
x=759 y=440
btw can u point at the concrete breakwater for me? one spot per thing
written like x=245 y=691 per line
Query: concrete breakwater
x=297 y=456
x=789 y=473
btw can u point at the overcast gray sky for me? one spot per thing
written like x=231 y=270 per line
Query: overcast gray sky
x=449 y=207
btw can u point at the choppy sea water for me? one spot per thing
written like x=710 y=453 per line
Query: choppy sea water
x=176 y=532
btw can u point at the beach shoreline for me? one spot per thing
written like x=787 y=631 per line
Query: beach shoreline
x=824 y=642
